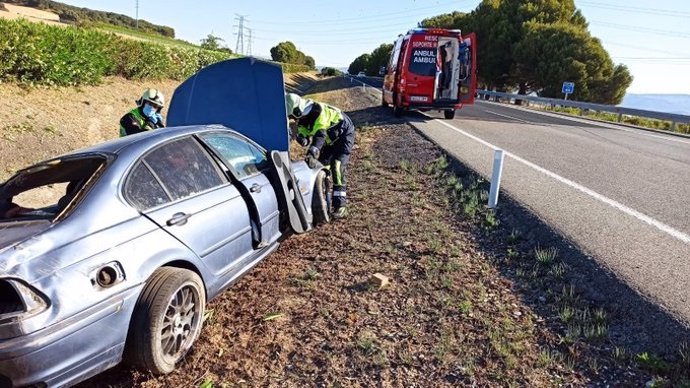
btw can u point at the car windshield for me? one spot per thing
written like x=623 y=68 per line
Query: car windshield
x=49 y=189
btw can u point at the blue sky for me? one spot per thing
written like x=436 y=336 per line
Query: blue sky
x=652 y=38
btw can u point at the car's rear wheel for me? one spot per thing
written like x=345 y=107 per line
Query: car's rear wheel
x=321 y=200
x=449 y=114
x=167 y=320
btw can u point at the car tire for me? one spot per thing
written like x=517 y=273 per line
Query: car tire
x=449 y=114
x=169 y=290
x=321 y=199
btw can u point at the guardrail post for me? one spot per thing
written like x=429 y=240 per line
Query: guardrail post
x=496 y=178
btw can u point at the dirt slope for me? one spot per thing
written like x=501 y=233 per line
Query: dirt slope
x=307 y=315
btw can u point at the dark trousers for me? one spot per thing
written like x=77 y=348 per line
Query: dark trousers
x=337 y=156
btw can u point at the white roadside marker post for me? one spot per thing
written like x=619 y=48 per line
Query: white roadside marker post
x=496 y=179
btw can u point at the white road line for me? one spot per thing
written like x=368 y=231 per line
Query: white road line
x=509 y=117
x=632 y=212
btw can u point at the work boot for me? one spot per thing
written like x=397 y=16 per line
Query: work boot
x=340 y=213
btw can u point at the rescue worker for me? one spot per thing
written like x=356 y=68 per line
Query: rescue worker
x=146 y=116
x=330 y=135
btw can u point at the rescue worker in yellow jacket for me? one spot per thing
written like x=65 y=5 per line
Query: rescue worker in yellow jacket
x=330 y=135
x=146 y=116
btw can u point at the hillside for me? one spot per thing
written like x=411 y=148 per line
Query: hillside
x=56 y=120
x=77 y=15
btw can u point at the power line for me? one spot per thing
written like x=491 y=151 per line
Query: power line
x=644 y=48
x=249 y=46
x=627 y=8
x=361 y=18
x=676 y=34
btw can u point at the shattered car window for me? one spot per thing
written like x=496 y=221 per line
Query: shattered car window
x=143 y=190
x=48 y=189
x=245 y=158
x=184 y=168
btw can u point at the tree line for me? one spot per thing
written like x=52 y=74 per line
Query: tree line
x=77 y=15
x=287 y=52
x=534 y=46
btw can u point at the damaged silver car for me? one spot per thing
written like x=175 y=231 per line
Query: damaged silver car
x=112 y=252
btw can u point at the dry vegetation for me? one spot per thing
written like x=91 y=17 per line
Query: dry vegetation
x=473 y=300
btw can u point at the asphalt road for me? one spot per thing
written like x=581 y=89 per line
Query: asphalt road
x=620 y=194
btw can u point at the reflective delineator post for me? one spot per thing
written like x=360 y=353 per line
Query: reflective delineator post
x=496 y=178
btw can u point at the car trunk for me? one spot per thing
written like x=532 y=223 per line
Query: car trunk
x=14 y=232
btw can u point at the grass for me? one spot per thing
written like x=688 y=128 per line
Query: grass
x=626 y=119
x=147 y=36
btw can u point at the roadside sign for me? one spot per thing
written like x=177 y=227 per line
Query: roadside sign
x=568 y=88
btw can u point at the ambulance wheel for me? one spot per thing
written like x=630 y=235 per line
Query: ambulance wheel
x=449 y=114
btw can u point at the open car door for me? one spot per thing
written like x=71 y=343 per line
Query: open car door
x=247 y=95
x=468 y=69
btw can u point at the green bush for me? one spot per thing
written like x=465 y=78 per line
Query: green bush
x=39 y=54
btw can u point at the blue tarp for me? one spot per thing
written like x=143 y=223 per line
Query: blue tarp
x=245 y=94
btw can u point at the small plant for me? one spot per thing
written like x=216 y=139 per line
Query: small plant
x=600 y=315
x=466 y=307
x=365 y=342
x=512 y=253
x=596 y=331
x=407 y=166
x=209 y=316
x=514 y=237
x=568 y=295
x=566 y=314
x=545 y=256
x=593 y=365
x=308 y=279
x=547 y=357
x=619 y=353
x=652 y=363
x=558 y=270
x=490 y=220
x=208 y=383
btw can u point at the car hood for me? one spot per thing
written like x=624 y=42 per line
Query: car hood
x=245 y=94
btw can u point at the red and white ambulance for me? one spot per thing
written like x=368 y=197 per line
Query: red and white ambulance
x=431 y=69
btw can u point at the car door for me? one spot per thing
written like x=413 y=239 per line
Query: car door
x=181 y=188
x=250 y=168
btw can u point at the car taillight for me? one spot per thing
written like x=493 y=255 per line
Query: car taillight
x=18 y=299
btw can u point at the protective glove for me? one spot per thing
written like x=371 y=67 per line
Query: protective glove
x=302 y=140
x=314 y=151
x=312 y=158
x=311 y=161
x=159 y=120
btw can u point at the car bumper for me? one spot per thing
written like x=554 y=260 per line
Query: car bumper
x=72 y=350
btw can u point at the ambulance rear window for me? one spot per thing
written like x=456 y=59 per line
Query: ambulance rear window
x=423 y=61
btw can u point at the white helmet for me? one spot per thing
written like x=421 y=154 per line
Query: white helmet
x=152 y=96
x=297 y=106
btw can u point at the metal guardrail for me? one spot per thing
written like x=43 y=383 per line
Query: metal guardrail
x=620 y=111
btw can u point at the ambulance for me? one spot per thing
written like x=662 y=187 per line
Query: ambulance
x=431 y=69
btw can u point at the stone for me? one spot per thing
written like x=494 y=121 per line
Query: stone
x=379 y=280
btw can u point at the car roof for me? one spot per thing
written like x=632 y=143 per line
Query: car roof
x=149 y=138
